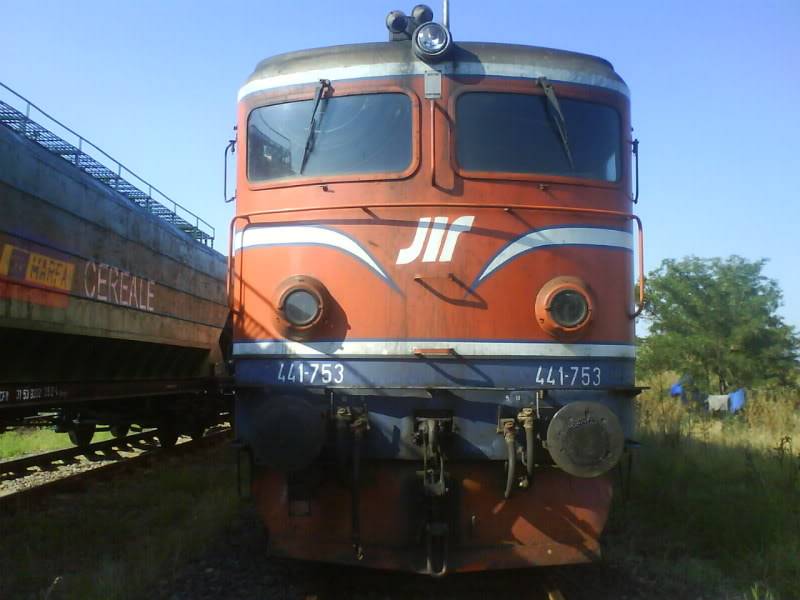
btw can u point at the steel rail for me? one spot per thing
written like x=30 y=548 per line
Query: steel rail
x=79 y=481
x=17 y=465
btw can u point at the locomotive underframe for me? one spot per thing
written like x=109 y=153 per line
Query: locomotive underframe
x=557 y=520
x=401 y=480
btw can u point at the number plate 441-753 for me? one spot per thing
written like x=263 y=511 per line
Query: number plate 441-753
x=324 y=373
x=568 y=376
x=310 y=373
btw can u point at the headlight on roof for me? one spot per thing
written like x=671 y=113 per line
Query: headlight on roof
x=431 y=41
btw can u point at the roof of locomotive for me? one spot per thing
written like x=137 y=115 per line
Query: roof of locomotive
x=353 y=61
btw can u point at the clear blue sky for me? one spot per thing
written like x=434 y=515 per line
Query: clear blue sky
x=715 y=92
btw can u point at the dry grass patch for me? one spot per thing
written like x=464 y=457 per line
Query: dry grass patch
x=115 y=540
x=715 y=501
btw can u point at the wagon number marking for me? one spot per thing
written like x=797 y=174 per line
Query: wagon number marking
x=585 y=376
x=310 y=372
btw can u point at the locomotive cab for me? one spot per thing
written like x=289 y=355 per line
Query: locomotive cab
x=430 y=277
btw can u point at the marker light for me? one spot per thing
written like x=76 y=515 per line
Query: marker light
x=569 y=308
x=422 y=14
x=431 y=41
x=301 y=307
x=396 y=22
x=564 y=307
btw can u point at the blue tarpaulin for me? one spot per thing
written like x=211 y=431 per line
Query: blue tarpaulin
x=736 y=400
x=676 y=389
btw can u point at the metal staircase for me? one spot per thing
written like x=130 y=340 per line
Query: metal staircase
x=165 y=208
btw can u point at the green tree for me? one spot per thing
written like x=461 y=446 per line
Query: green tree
x=715 y=320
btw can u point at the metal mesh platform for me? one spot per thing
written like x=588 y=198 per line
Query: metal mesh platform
x=164 y=208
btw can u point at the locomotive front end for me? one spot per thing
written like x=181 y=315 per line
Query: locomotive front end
x=430 y=276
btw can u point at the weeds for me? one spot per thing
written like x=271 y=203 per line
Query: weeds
x=783 y=449
x=772 y=411
x=721 y=492
x=30 y=441
x=117 y=540
x=757 y=592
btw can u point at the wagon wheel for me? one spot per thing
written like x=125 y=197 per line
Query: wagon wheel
x=196 y=431
x=81 y=435
x=167 y=435
x=119 y=430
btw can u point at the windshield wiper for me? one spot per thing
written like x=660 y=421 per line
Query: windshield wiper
x=324 y=84
x=558 y=117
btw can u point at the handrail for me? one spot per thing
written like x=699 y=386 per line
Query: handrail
x=368 y=207
x=433 y=142
x=206 y=233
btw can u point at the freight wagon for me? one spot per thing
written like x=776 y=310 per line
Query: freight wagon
x=112 y=300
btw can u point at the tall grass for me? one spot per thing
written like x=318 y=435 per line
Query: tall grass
x=24 y=441
x=115 y=541
x=715 y=501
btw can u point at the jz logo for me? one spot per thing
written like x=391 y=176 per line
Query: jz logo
x=437 y=229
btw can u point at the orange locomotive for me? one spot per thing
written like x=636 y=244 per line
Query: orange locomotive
x=431 y=274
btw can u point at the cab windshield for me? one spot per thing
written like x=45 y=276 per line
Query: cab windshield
x=359 y=134
x=517 y=133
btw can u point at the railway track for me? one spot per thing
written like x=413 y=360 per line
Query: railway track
x=12 y=496
x=240 y=554
x=20 y=467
